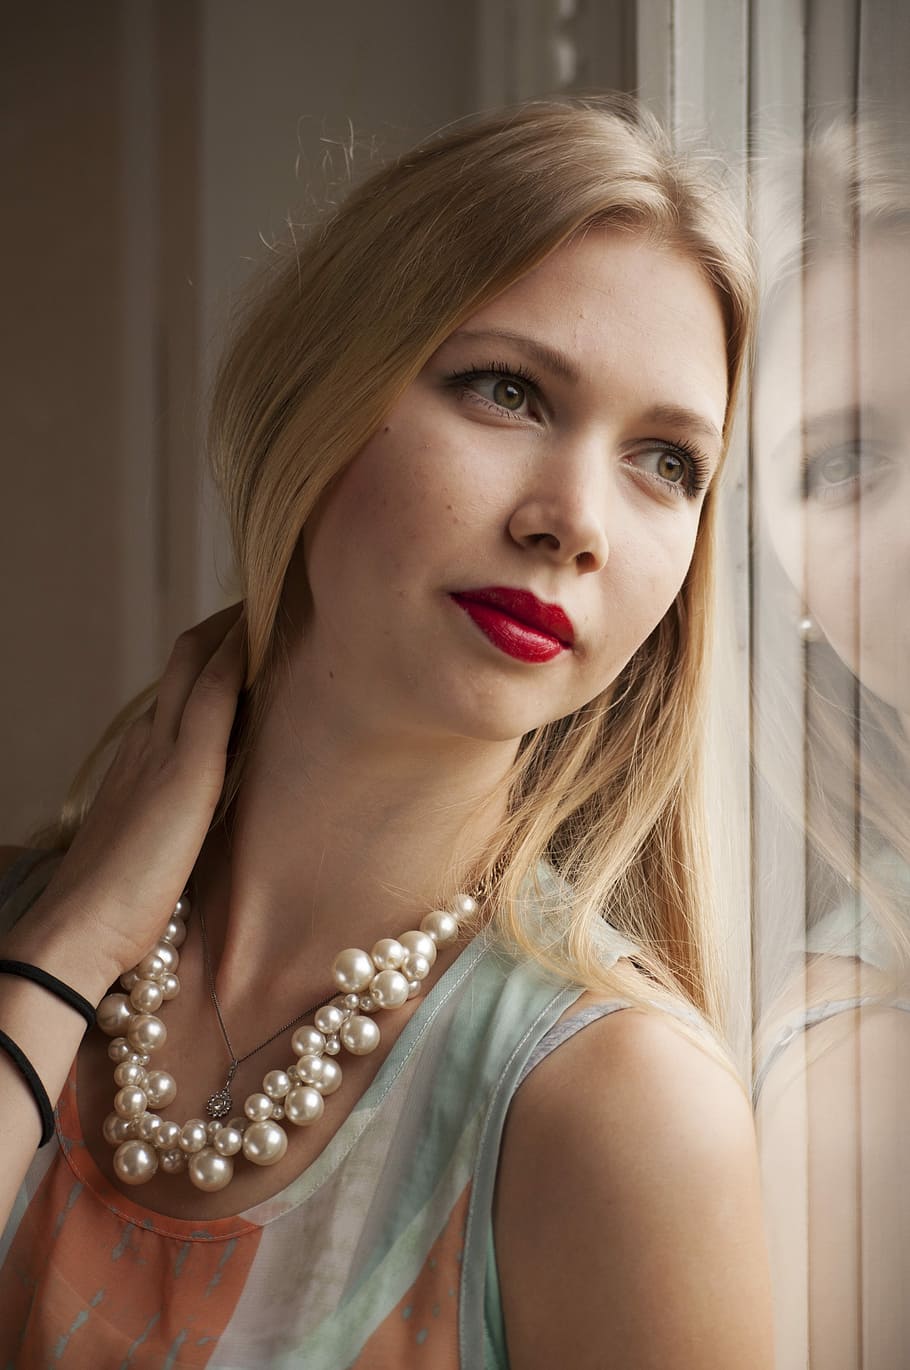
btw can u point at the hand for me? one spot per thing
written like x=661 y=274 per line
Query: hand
x=128 y=864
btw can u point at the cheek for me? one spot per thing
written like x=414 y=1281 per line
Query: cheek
x=646 y=579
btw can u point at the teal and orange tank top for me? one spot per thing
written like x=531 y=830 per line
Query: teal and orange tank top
x=379 y=1256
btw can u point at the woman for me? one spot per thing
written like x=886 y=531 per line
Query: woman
x=467 y=442
x=833 y=1047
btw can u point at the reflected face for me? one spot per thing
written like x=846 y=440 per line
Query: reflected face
x=527 y=512
x=833 y=441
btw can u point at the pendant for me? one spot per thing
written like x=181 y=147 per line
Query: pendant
x=220 y=1104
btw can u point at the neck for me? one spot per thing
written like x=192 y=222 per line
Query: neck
x=335 y=842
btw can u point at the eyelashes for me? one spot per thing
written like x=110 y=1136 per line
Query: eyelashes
x=695 y=466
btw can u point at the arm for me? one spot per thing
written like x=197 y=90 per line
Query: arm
x=47 y=1031
x=627 y=1216
x=128 y=862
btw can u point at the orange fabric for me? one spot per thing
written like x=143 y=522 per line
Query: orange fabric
x=426 y=1319
x=106 y=1283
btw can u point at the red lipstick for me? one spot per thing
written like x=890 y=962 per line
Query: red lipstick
x=517 y=622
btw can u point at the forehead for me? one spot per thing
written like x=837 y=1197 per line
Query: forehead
x=617 y=300
x=839 y=334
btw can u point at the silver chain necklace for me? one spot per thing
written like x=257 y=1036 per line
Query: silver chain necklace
x=221 y=1104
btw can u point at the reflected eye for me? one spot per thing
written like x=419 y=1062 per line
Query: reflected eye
x=837 y=475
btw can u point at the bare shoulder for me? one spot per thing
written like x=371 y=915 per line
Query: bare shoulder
x=627 y=1216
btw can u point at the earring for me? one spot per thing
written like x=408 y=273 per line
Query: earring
x=809 y=630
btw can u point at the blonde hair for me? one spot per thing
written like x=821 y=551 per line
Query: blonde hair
x=610 y=795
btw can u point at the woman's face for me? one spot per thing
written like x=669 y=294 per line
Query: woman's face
x=833 y=439
x=526 y=514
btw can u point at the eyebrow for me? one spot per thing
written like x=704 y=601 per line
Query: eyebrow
x=849 y=422
x=559 y=364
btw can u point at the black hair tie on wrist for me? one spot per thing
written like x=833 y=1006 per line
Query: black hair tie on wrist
x=51 y=983
x=39 y=1093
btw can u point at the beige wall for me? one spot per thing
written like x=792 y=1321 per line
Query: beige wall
x=61 y=257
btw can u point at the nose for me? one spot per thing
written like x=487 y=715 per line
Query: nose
x=562 y=515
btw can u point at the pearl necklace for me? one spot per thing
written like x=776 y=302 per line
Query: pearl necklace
x=383 y=978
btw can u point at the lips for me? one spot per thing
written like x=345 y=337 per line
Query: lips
x=517 y=622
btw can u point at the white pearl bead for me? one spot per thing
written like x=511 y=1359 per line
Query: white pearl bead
x=332 y=1045
x=278 y=1112
x=168 y=1135
x=389 y=988
x=183 y=908
x=209 y=1170
x=151 y=967
x=352 y=969
x=169 y=957
x=240 y=1121
x=388 y=954
x=228 y=1141
x=130 y=1101
x=441 y=926
x=193 y=1135
x=328 y=1018
x=419 y=942
x=351 y=1001
x=276 y=1084
x=146 y=1032
x=331 y=1076
x=264 y=1143
x=414 y=988
x=308 y=1041
x=115 y=1129
x=175 y=933
x=128 y=979
x=146 y=996
x=170 y=986
x=160 y=1087
x=119 y=1049
x=258 y=1107
x=135 y=1162
x=304 y=1105
x=172 y=1161
x=464 y=906
x=416 y=966
x=310 y=1069
x=129 y=1073
x=360 y=1035
x=113 y=1014
x=211 y=1128
x=368 y=1004
x=148 y=1127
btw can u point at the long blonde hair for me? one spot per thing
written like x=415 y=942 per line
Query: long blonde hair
x=609 y=796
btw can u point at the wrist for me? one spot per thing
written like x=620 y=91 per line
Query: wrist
x=56 y=949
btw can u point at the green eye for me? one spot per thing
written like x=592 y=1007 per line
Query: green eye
x=509 y=394
x=670 y=467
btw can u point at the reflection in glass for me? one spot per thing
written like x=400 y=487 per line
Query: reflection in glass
x=832 y=742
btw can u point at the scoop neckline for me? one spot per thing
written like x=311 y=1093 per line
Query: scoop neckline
x=71 y=1140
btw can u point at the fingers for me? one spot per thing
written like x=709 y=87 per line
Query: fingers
x=212 y=703
x=210 y=652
